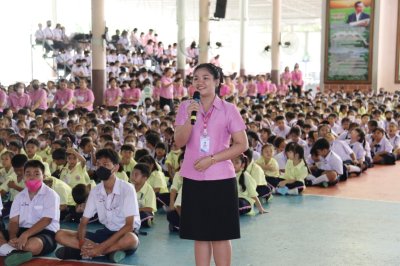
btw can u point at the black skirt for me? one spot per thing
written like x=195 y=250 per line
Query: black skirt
x=210 y=210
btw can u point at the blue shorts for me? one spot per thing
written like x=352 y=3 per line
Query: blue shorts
x=101 y=235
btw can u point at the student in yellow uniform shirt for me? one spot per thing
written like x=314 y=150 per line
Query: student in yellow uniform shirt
x=268 y=162
x=246 y=187
x=121 y=174
x=15 y=182
x=44 y=148
x=174 y=210
x=31 y=148
x=157 y=181
x=3 y=149
x=145 y=194
x=172 y=161
x=59 y=162
x=292 y=181
x=7 y=169
x=127 y=161
x=75 y=172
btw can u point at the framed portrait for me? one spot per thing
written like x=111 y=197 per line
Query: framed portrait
x=349 y=41
x=397 y=73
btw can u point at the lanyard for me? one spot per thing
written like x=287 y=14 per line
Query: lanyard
x=205 y=121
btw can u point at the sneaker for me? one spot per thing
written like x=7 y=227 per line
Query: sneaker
x=117 y=256
x=293 y=192
x=325 y=184
x=17 y=257
x=282 y=190
x=66 y=253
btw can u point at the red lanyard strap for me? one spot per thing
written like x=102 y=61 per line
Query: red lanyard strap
x=205 y=120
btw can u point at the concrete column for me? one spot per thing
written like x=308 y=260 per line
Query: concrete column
x=180 y=18
x=244 y=17
x=54 y=12
x=275 y=48
x=99 y=52
x=323 y=44
x=204 y=8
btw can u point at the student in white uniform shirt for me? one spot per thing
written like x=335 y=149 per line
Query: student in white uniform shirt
x=116 y=204
x=358 y=144
x=325 y=165
x=34 y=219
x=281 y=129
x=39 y=35
x=394 y=138
x=294 y=136
x=381 y=149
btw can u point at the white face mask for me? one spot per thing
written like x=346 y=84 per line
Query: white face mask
x=79 y=133
x=20 y=90
x=53 y=91
x=43 y=144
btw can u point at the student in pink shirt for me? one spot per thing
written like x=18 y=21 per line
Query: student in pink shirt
x=262 y=87
x=240 y=87
x=64 y=97
x=297 y=80
x=286 y=77
x=179 y=90
x=251 y=88
x=112 y=96
x=208 y=174
x=38 y=97
x=19 y=99
x=156 y=90
x=191 y=90
x=132 y=95
x=167 y=89
x=3 y=100
x=84 y=96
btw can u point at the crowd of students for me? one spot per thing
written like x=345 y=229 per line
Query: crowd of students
x=64 y=160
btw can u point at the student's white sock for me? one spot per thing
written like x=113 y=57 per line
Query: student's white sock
x=354 y=169
x=5 y=249
x=293 y=191
x=310 y=177
x=320 y=179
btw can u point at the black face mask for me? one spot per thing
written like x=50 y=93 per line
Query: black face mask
x=103 y=173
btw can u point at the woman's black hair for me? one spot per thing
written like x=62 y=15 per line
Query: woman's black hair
x=361 y=134
x=143 y=168
x=215 y=71
x=147 y=159
x=244 y=161
x=140 y=153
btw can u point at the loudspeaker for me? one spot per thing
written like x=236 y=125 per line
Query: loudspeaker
x=220 y=9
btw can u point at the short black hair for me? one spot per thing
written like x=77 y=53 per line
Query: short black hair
x=322 y=144
x=109 y=154
x=84 y=142
x=141 y=153
x=80 y=193
x=19 y=160
x=59 y=154
x=33 y=141
x=143 y=168
x=33 y=164
x=127 y=147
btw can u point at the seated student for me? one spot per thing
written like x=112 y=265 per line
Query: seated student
x=157 y=181
x=172 y=160
x=267 y=161
x=115 y=202
x=64 y=192
x=295 y=136
x=127 y=161
x=145 y=194
x=381 y=149
x=394 y=138
x=246 y=187
x=173 y=214
x=281 y=129
x=75 y=171
x=280 y=156
x=15 y=182
x=326 y=166
x=44 y=148
x=3 y=147
x=87 y=150
x=31 y=148
x=59 y=162
x=358 y=144
x=34 y=218
x=7 y=169
x=343 y=150
x=345 y=135
x=292 y=181
x=257 y=173
x=80 y=194
x=161 y=156
x=15 y=146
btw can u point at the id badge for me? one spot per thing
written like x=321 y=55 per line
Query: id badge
x=205 y=144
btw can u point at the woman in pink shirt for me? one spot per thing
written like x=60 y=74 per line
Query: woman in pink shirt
x=132 y=95
x=112 y=96
x=179 y=90
x=64 y=97
x=19 y=99
x=167 y=89
x=297 y=80
x=38 y=98
x=3 y=100
x=209 y=212
x=84 y=96
x=262 y=87
x=251 y=88
x=286 y=77
x=240 y=87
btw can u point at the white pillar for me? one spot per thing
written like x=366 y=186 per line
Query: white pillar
x=99 y=51
x=244 y=17
x=54 y=12
x=275 y=48
x=204 y=8
x=180 y=19
x=323 y=44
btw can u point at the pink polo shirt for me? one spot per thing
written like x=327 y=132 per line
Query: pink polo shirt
x=262 y=88
x=225 y=120
x=287 y=77
x=64 y=96
x=130 y=93
x=240 y=88
x=41 y=96
x=3 y=99
x=179 y=92
x=85 y=96
x=283 y=89
x=191 y=90
x=111 y=96
x=18 y=102
x=272 y=88
x=224 y=90
x=297 y=78
x=251 y=90
x=167 y=92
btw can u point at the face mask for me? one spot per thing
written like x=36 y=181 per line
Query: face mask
x=74 y=118
x=20 y=91
x=103 y=173
x=43 y=144
x=79 y=133
x=54 y=91
x=33 y=185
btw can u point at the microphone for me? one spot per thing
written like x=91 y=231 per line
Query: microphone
x=193 y=115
